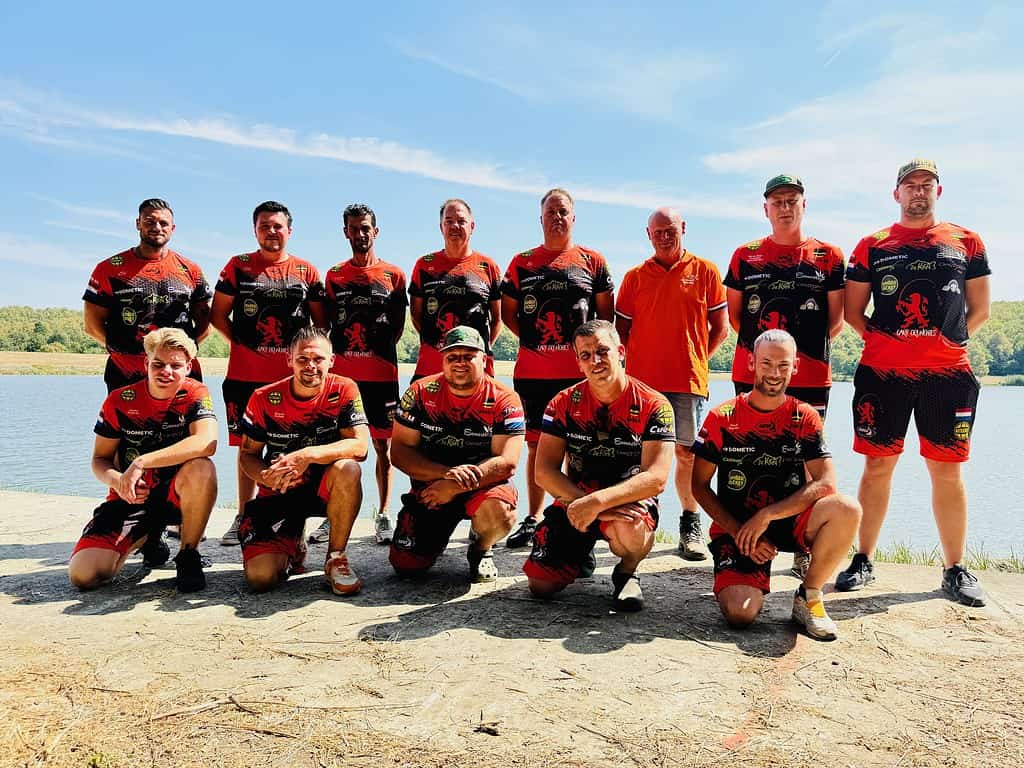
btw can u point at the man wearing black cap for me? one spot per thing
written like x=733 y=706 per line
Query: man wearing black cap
x=458 y=435
x=928 y=281
x=794 y=283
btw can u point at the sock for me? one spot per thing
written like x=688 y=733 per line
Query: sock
x=811 y=595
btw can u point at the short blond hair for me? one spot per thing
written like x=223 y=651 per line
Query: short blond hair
x=169 y=338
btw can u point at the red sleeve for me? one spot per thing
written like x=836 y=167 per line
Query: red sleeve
x=227 y=283
x=416 y=284
x=98 y=291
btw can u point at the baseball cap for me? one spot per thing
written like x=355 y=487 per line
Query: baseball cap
x=917 y=164
x=463 y=336
x=783 y=180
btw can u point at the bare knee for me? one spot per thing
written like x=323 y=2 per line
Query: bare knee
x=544 y=589
x=740 y=607
x=200 y=470
x=344 y=473
x=262 y=579
x=880 y=466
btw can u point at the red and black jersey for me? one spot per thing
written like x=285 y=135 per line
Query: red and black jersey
x=604 y=442
x=556 y=293
x=458 y=430
x=454 y=292
x=271 y=302
x=760 y=455
x=918 y=278
x=143 y=424
x=787 y=287
x=275 y=417
x=366 y=306
x=141 y=295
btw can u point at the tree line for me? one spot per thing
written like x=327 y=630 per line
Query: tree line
x=997 y=349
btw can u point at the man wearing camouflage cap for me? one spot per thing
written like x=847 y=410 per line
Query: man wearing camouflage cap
x=928 y=281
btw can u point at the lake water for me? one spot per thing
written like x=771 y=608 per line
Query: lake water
x=46 y=440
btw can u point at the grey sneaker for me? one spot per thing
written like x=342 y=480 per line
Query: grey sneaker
x=801 y=562
x=962 y=585
x=322 y=534
x=230 y=537
x=691 y=539
x=523 y=535
x=626 y=595
x=381 y=529
x=860 y=572
x=812 y=617
x=481 y=565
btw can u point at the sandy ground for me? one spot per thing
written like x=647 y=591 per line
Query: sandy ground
x=439 y=672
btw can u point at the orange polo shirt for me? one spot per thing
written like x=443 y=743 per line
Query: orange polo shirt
x=669 y=309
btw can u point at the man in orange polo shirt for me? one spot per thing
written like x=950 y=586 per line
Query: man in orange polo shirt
x=671 y=315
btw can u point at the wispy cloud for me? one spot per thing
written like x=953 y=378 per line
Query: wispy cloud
x=84 y=210
x=20 y=249
x=86 y=229
x=387 y=155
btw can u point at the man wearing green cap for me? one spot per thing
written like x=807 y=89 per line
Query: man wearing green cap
x=928 y=281
x=457 y=435
x=794 y=283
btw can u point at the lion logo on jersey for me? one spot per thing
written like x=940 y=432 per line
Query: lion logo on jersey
x=549 y=325
x=446 y=321
x=355 y=338
x=914 y=309
x=773 y=319
x=271 y=331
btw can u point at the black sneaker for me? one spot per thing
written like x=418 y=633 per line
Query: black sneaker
x=588 y=566
x=860 y=573
x=190 y=571
x=961 y=585
x=523 y=535
x=627 y=595
x=155 y=552
x=691 y=538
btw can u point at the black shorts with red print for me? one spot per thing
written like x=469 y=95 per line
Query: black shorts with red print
x=733 y=568
x=275 y=523
x=119 y=525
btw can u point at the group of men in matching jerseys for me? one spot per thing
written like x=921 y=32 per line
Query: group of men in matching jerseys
x=603 y=407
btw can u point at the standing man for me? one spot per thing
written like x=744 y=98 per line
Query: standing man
x=776 y=491
x=366 y=304
x=928 y=281
x=793 y=282
x=146 y=287
x=153 y=443
x=304 y=438
x=454 y=286
x=458 y=436
x=616 y=433
x=671 y=317
x=262 y=298
x=548 y=292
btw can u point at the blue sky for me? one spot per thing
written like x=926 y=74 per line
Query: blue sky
x=216 y=107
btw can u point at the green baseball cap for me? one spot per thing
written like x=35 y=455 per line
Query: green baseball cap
x=917 y=164
x=783 y=180
x=463 y=336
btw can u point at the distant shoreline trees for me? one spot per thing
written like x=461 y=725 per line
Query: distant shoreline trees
x=997 y=349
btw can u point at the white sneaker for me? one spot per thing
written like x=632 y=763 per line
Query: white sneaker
x=340 y=575
x=381 y=529
x=813 y=618
x=322 y=534
x=230 y=537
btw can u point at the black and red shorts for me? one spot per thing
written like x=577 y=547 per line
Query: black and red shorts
x=276 y=523
x=942 y=402
x=733 y=568
x=119 y=526
x=816 y=397
x=421 y=533
x=236 y=399
x=380 y=399
x=536 y=394
x=559 y=550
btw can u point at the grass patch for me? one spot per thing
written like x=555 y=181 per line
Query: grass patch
x=976 y=559
x=663 y=537
x=1012 y=381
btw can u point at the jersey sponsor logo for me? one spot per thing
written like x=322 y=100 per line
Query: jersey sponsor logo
x=793 y=481
x=736 y=480
x=271 y=331
x=128 y=316
x=361 y=301
x=951 y=287
x=127 y=395
x=881 y=234
x=921 y=266
x=688 y=280
x=555 y=285
x=250 y=307
x=488 y=402
x=865 y=416
x=889 y=285
x=753 y=245
x=913 y=308
x=336 y=268
x=602 y=451
x=753 y=303
x=530 y=305
x=275 y=398
x=782 y=285
x=244 y=258
x=448 y=441
x=767 y=460
x=407 y=400
x=962 y=430
x=355 y=338
x=131 y=455
x=576 y=395
x=810 y=305
x=117 y=261
x=664 y=429
x=342 y=314
x=727 y=409
x=432 y=305
x=549 y=326
x=455 y=290
x=576 y=435
x=428 y=258
x=433 y=386
x=468 y=432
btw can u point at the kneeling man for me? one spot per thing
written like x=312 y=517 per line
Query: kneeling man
x=776 y=491
x=153 y=443
x=618 y=434
x=303 y=439
x=458 y=435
